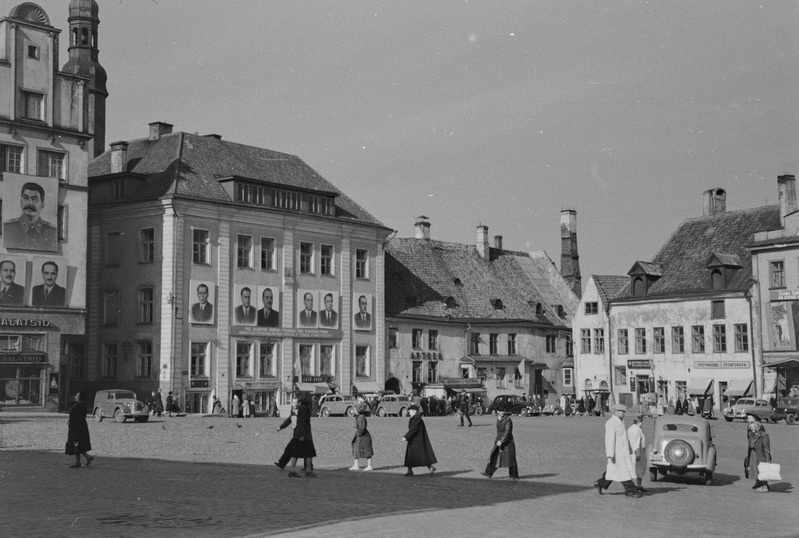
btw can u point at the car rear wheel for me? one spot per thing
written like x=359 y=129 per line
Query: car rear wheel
x=381 y=411
x=728 y=419
x=402 y=412
x=325 y=411
x=679 y=453
x=350 y=412
x=98 y=415
x=790 y=418
x=119 y=416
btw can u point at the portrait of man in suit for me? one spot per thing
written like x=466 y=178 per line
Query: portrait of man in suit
x=49 y=293
x=30 y=231
x=11 y=293
x=363 y=319
x=268 y=316
x=308 y=314
x=245 y=313
x=202 y=311
x=328 y=317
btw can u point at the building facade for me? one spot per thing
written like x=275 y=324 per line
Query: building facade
x=220 y=269
x=52 y=123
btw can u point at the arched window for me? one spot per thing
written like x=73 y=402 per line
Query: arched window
x=717 y=279
x=74 y=36
x=539 y=309
x=84 y=36
x=639 y=289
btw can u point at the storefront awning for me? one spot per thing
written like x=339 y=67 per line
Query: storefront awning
x=783 y=363
x=699 y=387
x=367 y=387
x=313 y=388
x=738 y=387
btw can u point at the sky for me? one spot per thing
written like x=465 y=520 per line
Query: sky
x=480 y=112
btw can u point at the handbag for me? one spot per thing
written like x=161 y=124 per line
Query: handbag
x=768 y=471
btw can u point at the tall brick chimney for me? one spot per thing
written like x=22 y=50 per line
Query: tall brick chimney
x=786 y=185
x=159 y=129
x=498 y=242
x=569 y=258
x=715 y=201
x=119 y=157
x=482 y=242
x=422 y=226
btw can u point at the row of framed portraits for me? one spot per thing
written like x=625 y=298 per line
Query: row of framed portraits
x=47 y=286
x=261 y=306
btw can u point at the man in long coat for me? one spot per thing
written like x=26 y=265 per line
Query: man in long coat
x=619 y=455
x=504 y=451
x=419 y=451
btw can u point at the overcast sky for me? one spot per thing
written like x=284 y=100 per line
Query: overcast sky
x=500 y=113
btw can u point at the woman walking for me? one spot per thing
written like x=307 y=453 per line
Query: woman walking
x=78 y=440
x=504 y=452
x=638 y=445
x=303 y=445
x=419 y=451
x=362 y=441
x=759 y=450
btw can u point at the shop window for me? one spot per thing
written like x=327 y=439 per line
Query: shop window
x=244 y=352
x=417 y=372
x=432 y=372
x=266 y=363
x=327 y=361
x=306 y=359
x=362 y=368
x=501 y=382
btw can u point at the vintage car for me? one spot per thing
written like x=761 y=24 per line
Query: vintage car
x=747 y=406
x=393 y=404
x=682 y=444
x=337 y=404
x=787 y=409
x=514 y=405
x=121 y=404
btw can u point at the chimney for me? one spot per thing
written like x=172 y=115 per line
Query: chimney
x=786 y=185
x=158 y=129
x=569 y=258
x=715 y=201
x=422 y=228
x=498 y=242
x=482 y=242
x=119 y=157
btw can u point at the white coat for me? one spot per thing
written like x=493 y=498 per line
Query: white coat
x=638 y=445
x=618 y=446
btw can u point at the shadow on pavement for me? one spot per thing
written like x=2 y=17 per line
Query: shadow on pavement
x=781 y=487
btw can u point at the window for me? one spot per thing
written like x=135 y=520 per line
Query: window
x=33 y=52
x=327 y=361
x=717 y=309
x=147 y=245
x=392 y=338
x=599 y=341
x=32 y=105
x=199 y=364
x=144 y=359
x=659 y=334
x=362 y=361
x=51 y=164
x=326 y=260
x=569 y=345
x=640 y=341
x=698 y=339
x=585 y=339
x=716 y=280
x=493 y=341
x=568 y=377
x=306 y=258
x=677 y=340
x=417 y=372
x=244 y=252
x=432 y=372
x=511 y=344
x=778 y=274
x=200 y=242
x=12 y=159
x=624 y=342
x=110 y=360
x=111 y=307
x=500 y=378
x=306 y=359
x=361 y=263
x=268 y=262
x=243 y=359
x=113 y=245
x=719 y=339
x=552 y=341
x=146 y=304
x=416 y=337
x=474 y=347
x=592 y=308
x=620 y=375
x=266 y=360
x=432 y=339
x=741 y=337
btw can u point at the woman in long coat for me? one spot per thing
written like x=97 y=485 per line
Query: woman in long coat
x=303 y=446
x=504 y=451
x=361 y=441
x=638 y=445
x=419 y=452
x=78 y=440
x=759 y=450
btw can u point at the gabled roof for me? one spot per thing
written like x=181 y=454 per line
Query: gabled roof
x=683 y=258
x=421 y=274
x=607 y=286
x=191 y=166
x=720 y=259
x=645 y=268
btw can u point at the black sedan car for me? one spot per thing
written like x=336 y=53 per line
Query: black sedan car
x=514 y=405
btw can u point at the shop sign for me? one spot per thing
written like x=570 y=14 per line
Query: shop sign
x=721 y=364
x=462 y=382
x=784 y=295
x=314 y=379
x=17 y=357
x=199 y=383
x=639 y=364
x=12 y=322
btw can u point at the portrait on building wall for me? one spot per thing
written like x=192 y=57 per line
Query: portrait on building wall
x=306 y=304
x=783 y=318
x=49 y=282
x=268 y=307
x=30 y=213
x=328 y=309
x=12 y=280
x=362 y=306
x=245 y=311
x=202 y=307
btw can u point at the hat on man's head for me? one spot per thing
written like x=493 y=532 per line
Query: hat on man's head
x=757 y=418
x=413 y=407
x=620 y=407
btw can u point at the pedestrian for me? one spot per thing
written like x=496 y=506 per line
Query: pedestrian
x=678 y=409
x=159 y=403
x=419 y=451
x=707 y=408
x=432 y=405
x=291 y=420
x=638 y=445
x=504 y=452
x=361 y=441
x=235 y=406
x=591 y=404
x=217 y=406
x=581 y=407
x=170 y=403
x=464 y=409
x=78 y=440
x=758 y=451
x=245 y=407
x=424 y=403
x=618 y=453
x=303 y=446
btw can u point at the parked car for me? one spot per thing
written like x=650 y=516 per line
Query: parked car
x=551 y=410
x=513 y=404
x=745 y=406
x=393 y=404
x=787 y=409
x=121 y=404
x=337 y=404
x=682 y=444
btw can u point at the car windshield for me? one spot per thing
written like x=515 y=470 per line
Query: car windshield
x=124 y=395
x=680 y=428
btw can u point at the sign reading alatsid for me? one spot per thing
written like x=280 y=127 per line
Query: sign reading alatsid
x=13 y=322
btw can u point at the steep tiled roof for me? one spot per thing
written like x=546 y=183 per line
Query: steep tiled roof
x=422 y=274
x=609 y=285
x=189 y=165
x=683 y=258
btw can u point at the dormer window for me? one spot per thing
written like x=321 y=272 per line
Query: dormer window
x=457 y=281
x=496 y=303
x=722 y=269
x=643 y=276
x=716 y=279
x=539 y=309
x=450 y=302
x=639 y=287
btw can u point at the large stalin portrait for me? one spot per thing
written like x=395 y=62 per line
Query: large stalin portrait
x=30 y=231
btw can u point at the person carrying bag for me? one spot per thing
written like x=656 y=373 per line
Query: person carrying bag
x=758 y=456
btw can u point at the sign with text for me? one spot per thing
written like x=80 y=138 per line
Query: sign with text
x=639 y=364
x=722 y=364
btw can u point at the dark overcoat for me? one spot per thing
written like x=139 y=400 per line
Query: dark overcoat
x=362 y=440
x=419 y=452
x=759 y=449
x=303 y=446
x=78 y=440
x=507 y=453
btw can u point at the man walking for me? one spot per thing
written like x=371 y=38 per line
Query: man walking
x=619 y=455
x=464 y=409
